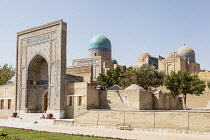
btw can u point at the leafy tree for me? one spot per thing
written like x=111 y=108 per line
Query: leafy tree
x=147 y=77
x=111 y=77
x=126 y=77
x=183 y=83
x=6 y=73
x=118 y=76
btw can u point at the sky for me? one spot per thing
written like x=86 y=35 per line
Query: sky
x=132 y=26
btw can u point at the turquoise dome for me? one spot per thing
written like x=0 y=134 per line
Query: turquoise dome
x=114 y=61
x=100 y=42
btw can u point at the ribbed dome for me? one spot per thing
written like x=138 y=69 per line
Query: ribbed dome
x=114 y=61
x=173 y=55
x=100 y=41
x=186 y=51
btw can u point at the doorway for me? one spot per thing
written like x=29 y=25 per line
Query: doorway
x=45 y=101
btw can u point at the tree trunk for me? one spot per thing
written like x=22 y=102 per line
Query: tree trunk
x=185 y=106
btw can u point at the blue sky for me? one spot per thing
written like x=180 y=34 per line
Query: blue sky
x=133 y=26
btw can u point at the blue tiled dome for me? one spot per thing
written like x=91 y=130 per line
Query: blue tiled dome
x=100 y=42
x=114 y=61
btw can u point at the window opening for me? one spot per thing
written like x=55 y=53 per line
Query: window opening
x=70 y=101
x=125 y=97
x=9 y=104
x=108 y=97
x=5 y=91
x=80 y=101
x=2 y=104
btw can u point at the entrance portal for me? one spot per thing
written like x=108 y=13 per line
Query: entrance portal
x=37 y=85
x=45 y=101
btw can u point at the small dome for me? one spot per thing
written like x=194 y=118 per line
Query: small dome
x=115 y=87
x=173 y=55
x=143 y=56
x=114 y=61
x=100 y=41
x=134 y=86
x=186 y=51
x=11 y=81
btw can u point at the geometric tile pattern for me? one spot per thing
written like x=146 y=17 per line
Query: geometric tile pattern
x=41 y=56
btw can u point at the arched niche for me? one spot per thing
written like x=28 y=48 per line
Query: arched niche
x=37 y=84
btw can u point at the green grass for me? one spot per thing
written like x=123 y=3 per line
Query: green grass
x=37 y=135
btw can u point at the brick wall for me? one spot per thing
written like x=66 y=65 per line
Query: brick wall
x=152 y=119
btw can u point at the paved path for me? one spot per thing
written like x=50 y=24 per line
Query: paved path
x=139 y=135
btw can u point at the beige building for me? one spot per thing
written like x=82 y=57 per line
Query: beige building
x=45 y=85
x=135 y=97
x=7 y=99
x=98 y=61
x=181 y=60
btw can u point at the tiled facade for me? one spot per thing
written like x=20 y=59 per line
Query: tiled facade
x=41 y=58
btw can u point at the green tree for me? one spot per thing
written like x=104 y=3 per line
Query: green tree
x=118 y=76
x=183 y=83
x=147 y=76
x=6 y=73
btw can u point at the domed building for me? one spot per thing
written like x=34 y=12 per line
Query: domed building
x=98 y=61
x=44 y=84
x=187 y=53
x=145 y=58
x=181 y=60
x=100 y=45
x=173 y=55
x=114 y=61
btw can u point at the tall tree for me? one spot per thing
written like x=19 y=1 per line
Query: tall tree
x=183 y=83
x=147 y=76
x=6 y=73
x=117 y=76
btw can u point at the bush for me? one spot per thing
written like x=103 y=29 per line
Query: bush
x=4 y=136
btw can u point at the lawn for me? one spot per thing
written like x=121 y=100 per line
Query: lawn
x=37 y=135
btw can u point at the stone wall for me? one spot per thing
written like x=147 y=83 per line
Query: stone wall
x=175 y=120
x=84 y=71
x=162 y=101
x=201 y=101
x=205 y=76
x=89 y=98
x=117 y=99
x=188 y=120
x=92 y=98
x=76 y=90
x=135 y=99
x=73 y=78
x=146 y=100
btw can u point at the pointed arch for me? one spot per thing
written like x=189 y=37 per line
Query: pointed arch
x=37 y=83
